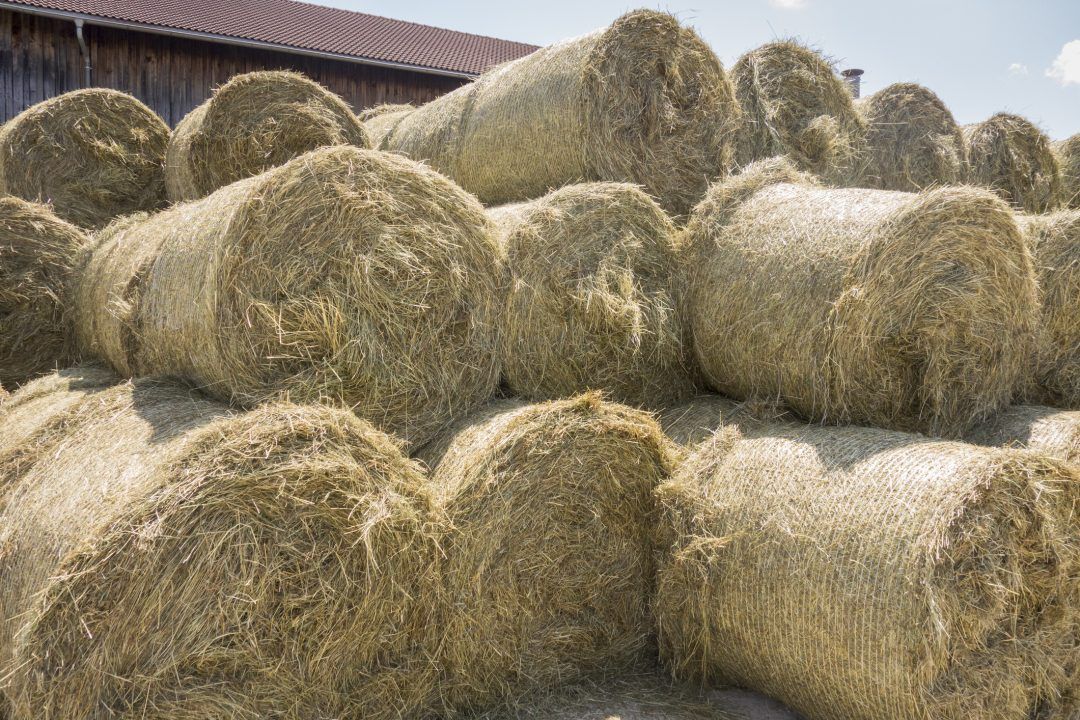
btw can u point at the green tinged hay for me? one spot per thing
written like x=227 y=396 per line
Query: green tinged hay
x=1068 y=155
x=163 y=557
x=1013 y=157
x=898 y=310
x=38 y=252
x=346 y=276
x=592 y=301
x=913 y=142
x=865 y=574
x=380 y=121
x=643 y=101
x=92 y=154
x=548 y=557
x=252 y=123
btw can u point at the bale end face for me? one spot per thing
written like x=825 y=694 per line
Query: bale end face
x=1010 y=155
x=1068 y=155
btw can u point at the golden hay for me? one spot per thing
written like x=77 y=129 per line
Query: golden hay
x=642 y=101
x=38 y=252
x=1051 y=432
x=1012 y=157
x=899 y=310
x=1068 y=155
x=380 y=121
x=592 y=302
x=865 y=574
x=548 y=561
x=794 y=104
x=252 y=123
x=346 y=276
x=912 y=142
x=93 y=154
x=163 y=557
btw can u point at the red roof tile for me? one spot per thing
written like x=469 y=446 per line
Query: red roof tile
x=303 y=26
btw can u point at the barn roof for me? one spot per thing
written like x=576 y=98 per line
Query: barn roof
x=297 y=27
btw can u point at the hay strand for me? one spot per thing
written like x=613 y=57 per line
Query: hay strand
x=1068 y=155
x=1010 y=155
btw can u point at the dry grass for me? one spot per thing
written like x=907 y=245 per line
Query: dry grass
x=1013 y=157
x=380 y=121
x=1051 y=432
x=1068 y=155
x=899 y=310
x=93 y=154
x=346 y=276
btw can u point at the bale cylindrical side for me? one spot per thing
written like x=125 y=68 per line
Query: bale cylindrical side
x=346 y=276
x=1049 y=431
x=167 y=558
x=1013 y=157
x=643 y=101
x=899 y=310
x=380 y=121
x=865 y=574
x=1068 y=155
x=252 y=123
x=38 y=252
x=593 y=297
x=548 y=557
x=92 y=154
x=913 y=142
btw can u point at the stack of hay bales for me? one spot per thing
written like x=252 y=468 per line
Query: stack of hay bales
x=380 y=121
x=252 y=123
x=92 y=154
x=1011 y=156
x=1068 y=154
x=592 y=302
x=642 y=101
x=162 y=556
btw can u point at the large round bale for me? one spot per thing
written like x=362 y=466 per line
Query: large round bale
x=252 y=123
x=898 y=310
x=167 y=558
x=864 y=574
x=1068 y=155
x=548 y=559
x=92 y=154
x=346 y=276
x=38 y=252
x=1010 y=155
x=913 y=142
x=643 y=101
x=1051 y=432
x=794 y=104
x=593 y=297
x=380 y=121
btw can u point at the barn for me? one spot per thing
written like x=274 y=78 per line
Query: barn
x=172 y=53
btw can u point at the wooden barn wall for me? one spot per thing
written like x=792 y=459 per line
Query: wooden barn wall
x=39 y=58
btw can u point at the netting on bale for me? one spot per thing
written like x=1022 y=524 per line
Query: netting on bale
x=163 y=557
x=898 y=310
x=92 y=154
x=1051 y=432
x=548 y=557
x=865 y=574
x=252 y=123
x=380 y=121
x=1013 y=157
x=346 y=276
x=643 y=101
x=1068 y=155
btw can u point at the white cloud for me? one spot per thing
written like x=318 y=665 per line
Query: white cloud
x=788 y=4
x=1066 y=66
x=1018 y=69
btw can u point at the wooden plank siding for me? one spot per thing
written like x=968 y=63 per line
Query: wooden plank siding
x=40 y=58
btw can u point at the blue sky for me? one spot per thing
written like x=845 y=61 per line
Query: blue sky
x=980 y=56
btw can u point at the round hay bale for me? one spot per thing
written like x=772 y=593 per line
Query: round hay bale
x=1051 y=432
x=898 y=310
x=548 y=561
x=1068 y=155
x=38 y=252
x=914 y=578
x=913 y=142
x=592 y=302
x=252 y=123
x=1013 y=157
x=794 y=104
x=643 y=101
x=167 y=558
x=345 y=276
x=380 y=121
x=92 y=154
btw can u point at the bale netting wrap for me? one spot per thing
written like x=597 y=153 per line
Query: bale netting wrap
x=592 y=302
x=914 y=578
x=548 y=558
x=913 y=142
x=643 y=101
x=92 y=154
x=380 y=121
x=692 y=421
x=1068 y=155
x=899 y=310
x=252 y=123
x=168 y=558
x=38 y=252
x=794 y=104
x=346 y=276
x=1049 y=431
x=1013 y=157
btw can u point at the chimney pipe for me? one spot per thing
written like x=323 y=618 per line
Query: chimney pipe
x=853 y=78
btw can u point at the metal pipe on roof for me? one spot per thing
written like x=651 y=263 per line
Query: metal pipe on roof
x=88 y=69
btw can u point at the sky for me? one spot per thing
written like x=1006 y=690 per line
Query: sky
x=979 y=56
